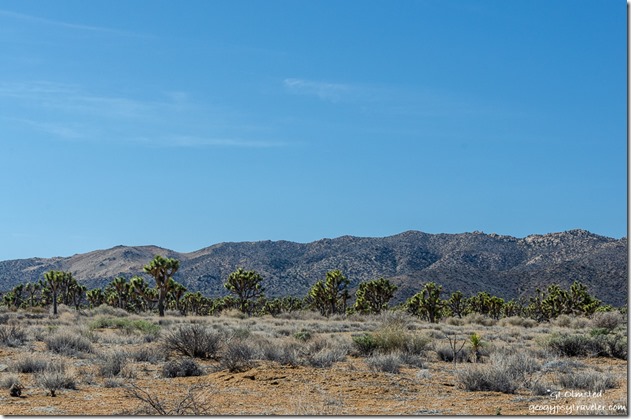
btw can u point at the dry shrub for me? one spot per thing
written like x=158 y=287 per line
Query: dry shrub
x=112 y=363
x=197 y=401
x=504 y=373
x=195 y=341
x=518 y=321
x=12 y=335
x=477 y=318
x=55 y=378
x=238 y=356
x=390 y=362
x=586 y=380
x=608 y=320
x=28 y=364
x=186 y=367
x=68 y=342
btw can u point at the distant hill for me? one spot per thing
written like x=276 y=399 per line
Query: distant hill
x=501 y=265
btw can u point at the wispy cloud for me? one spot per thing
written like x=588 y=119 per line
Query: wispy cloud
x=68 y=25
x=324 y=90
x=172 y=119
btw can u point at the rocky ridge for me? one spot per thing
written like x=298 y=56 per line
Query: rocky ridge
x=502 y=265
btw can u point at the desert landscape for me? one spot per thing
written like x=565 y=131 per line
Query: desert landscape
x=106 y=361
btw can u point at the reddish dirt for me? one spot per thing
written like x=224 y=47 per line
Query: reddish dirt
x=348 y=388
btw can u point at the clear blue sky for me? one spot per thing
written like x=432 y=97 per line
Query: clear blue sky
x=188 y=123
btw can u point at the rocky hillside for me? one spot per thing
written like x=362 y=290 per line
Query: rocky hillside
x=501 y=265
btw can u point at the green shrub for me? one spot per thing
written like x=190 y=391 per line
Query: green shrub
x=365 y=344
x=303 y=335
x=126 y=324
x=575 y=345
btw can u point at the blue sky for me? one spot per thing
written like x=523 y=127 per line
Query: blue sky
x=185 y=124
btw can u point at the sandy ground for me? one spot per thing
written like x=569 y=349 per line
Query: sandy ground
x=348 y=388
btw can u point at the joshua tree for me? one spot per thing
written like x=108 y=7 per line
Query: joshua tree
x=373 y=296
x=427 y=303
x=330 y=296
x=162 y=269
x=54 y=280
x=246 y=286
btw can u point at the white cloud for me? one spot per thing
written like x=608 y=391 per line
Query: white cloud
x=70 y=113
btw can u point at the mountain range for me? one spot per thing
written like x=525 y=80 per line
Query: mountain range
x=505 y=266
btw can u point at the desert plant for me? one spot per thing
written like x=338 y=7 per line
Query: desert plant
x=55 y=378
x=476 y=344
x=427 y=303
x=7 y=381
x=186 y=367
x=28 y=364
x=162 y=270
x=147 y=354
x=12 y=335
x=246 y=286
x=446 y=353
x=586 y=380
x=112 y=363
x=195 y=341
x=238 y=356
x=373 y=296
x=608 y=320
x=195 y=402
x=67 y=342
x=575 y=345
x=326 y=357
x=365 y=344
x=390 y=362
x=285 y=353
x=481 y=377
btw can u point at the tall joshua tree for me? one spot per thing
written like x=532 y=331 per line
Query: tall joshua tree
x=162 y=269
x=54 y=280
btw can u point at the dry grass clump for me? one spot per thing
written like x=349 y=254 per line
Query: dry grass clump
x=321 y=352
x=54 y=378
x=504 y=373
x=390 y=362
x=285 y=352
x=586 y=380
x=112 y=363
x=9 y=380
x=518 y=321
x=29 y=364
x=609 y=320
x=477 y=318
x=147 y=353
x=68 y=342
